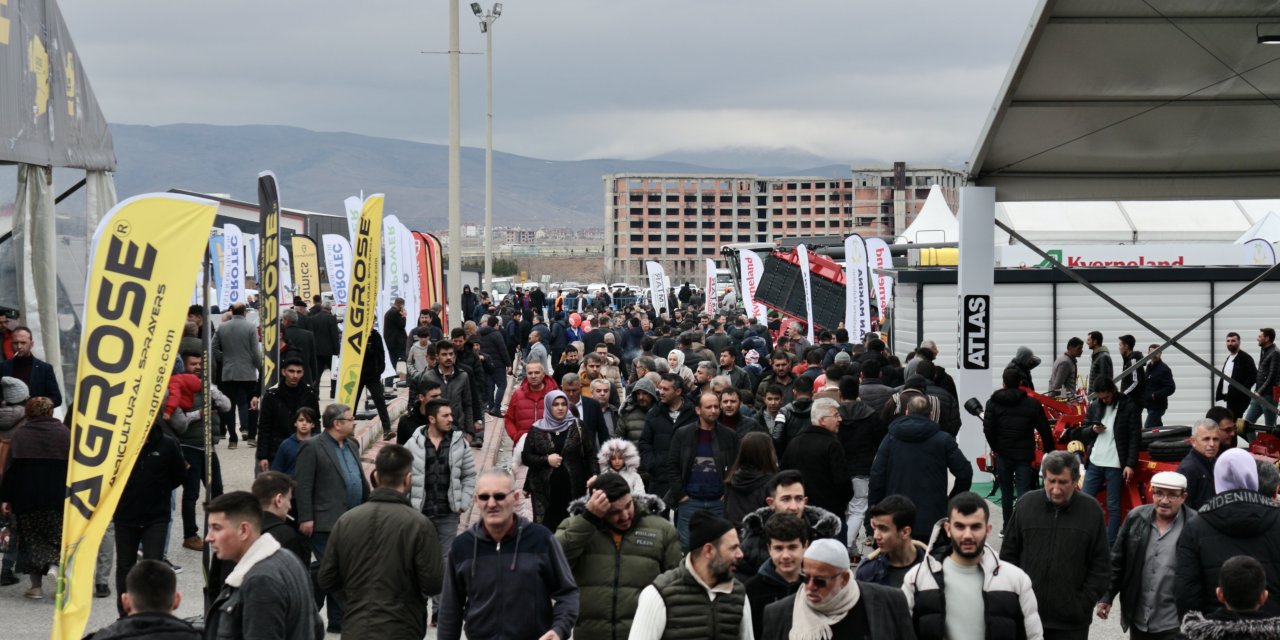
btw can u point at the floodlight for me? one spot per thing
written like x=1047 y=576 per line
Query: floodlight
x=475 y=8
x=497 y=9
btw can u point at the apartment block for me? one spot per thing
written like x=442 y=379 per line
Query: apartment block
x=680 y=220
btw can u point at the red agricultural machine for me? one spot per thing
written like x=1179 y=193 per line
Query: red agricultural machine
x=1161 y=448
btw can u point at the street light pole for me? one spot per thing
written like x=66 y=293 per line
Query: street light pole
x=486 y=27
x=454 y=282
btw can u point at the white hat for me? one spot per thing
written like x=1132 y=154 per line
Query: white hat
x=828 y=551
x=1169 y=480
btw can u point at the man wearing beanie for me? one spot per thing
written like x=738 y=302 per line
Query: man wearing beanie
x=700 y=598
x=1142 y=560
x=1239 y=521
x=831 y=605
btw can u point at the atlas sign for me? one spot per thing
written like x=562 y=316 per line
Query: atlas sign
x=975 y=332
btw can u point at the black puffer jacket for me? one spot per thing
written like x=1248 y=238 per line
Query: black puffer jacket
x=861 y=431
x=816 y=453
x=1010 y=423
x=1232 y=523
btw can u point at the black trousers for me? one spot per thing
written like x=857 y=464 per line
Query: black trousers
x=191 y=488
x=239 y=392
x=128 y=538
x=376 y=392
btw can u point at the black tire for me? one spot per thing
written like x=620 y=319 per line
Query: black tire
x=1169 y=450
x=1165 y=433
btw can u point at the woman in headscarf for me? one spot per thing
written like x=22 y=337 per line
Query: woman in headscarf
x=34 y=488
x=675 y=364
x=561 y=456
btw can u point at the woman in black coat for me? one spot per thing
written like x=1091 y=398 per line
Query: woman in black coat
x=561 y=456
x=34 y=489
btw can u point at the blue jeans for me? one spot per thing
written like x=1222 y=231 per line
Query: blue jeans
x=1094 y=479
x=1014 y=479
x=1255 y=410
x=319 y=540
x=686 y=511
x=1155 y=417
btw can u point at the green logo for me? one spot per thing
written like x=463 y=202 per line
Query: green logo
x=1056 y=254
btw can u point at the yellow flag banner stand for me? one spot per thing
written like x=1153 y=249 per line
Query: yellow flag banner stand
x=146 y=253
x=362 y=296
x=306 y=267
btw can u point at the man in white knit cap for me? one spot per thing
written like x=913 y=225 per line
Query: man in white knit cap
x=831 y=605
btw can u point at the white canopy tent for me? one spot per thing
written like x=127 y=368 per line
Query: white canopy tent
x=1133 y=222
x=934 y=223
x=1268 y=228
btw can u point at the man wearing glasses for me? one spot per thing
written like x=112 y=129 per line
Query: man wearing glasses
x=831 y=604
x=506 y=577
x=330 y=483
x=1142 y=561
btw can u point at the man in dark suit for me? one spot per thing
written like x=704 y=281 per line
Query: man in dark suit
x=330 y=483
x=328 y=342
x=36 y=373
x=300 y=343
x=1240 y=366
x=585 y=409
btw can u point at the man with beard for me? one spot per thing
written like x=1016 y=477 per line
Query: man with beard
x=1239 y=366
x=700 y=598
x=832 y=605
x=616 y=544
x=969 y=593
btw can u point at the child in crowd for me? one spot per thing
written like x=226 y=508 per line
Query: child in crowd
x=304 y=425
x=418 y=362
x=622 y=457
x=183 y=388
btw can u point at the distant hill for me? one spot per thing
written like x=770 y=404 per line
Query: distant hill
x=318 y=170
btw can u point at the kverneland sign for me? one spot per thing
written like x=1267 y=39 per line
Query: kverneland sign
x=1252 y=253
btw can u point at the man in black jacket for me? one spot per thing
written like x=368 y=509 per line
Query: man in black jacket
x=1268 y=377
x=328 y=342
x=494 y=348
x=1112 y=430
x=1011 y=421
x=861 y=432
x=149 y=604
x=816 y=453
x=1134 y=385
x=660 y=425
x=278 y=407
x=1240 y=367
x=698 y=464
x=1057 y=537
x=948 y=408
x=142 y=517
x=1197 y=466
x=913 y=461
x=1142 y=561
x=301 y=344
x=274 y=491
x=1160 y=386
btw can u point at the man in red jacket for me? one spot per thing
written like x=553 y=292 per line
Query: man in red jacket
x=526 y=405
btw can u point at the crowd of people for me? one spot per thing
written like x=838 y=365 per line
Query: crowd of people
x=673 y=475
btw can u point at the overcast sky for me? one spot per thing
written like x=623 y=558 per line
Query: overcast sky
x=844 y=79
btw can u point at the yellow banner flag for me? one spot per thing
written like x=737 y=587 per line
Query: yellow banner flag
x=146 y=253
x=362 y=297
x=306 y=267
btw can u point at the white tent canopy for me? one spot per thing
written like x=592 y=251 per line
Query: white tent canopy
x=934 y=223
x=1268 y=228
x=1156 y=100
x=1131 y=222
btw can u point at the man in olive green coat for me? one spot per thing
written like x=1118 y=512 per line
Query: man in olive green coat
x=616 y=546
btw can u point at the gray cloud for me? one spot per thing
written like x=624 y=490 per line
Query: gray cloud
x=573 y=78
